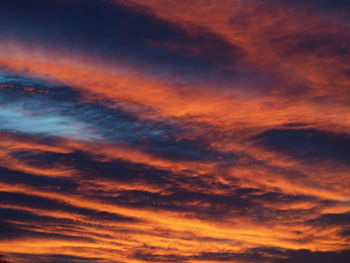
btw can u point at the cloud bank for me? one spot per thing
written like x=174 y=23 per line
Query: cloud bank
x=166 y=131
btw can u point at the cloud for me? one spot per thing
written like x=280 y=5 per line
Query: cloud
x=53 y=258
x=302 y=256
x=332 y=219
x=174 y=131
x=55 y=205
x=260 y=254
x=59 y=111
x=307 y=144
x=43 y=182
x=125 y=32
x=327 y=5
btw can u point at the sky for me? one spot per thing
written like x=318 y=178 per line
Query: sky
x=195 y=131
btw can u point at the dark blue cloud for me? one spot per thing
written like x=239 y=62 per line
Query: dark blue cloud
x=55 y=110
x=126 y=32
x=40 y=182
x=153 y=257
x=52 y=258
x=88 y=167
x=234 y=201
x=259 y=254
x=307 y=144
x=332 y=220
x=10 y=214
x=276 y=255
x=231 y=257
x=307 y=256
x=33 y=201
x=11 y=230
x=345 y=233
x=325 y=44
x=327 y=5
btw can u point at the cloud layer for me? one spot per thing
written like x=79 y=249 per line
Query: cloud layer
x=167 y=131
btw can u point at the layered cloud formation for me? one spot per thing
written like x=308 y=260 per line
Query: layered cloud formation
x=174 y=131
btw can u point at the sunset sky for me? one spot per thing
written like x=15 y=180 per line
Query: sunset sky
x=183 y=131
